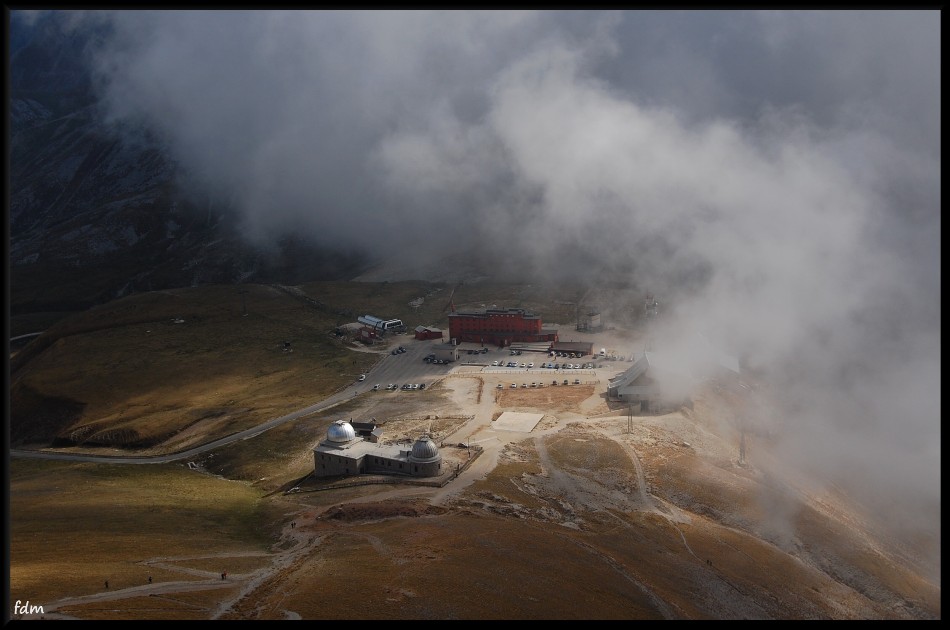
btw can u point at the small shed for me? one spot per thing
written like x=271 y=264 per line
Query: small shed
x=369 y=431
x=427 y=332
x=446 y=351
x=367 y=335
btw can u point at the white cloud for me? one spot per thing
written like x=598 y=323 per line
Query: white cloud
x=786 y=164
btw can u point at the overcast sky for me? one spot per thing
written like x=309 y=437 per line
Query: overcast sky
x=782 y=165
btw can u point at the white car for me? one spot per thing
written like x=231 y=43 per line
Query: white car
x=376 y=387
x=514 y=386
x=531 y=365
x=361 y=378
x=499 y=386
x=494 y=363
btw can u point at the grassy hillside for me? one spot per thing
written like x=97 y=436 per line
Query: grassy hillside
x=78 y=525
x=587 y=517
x=141 y=379
x=392 y=299
x=169 y=369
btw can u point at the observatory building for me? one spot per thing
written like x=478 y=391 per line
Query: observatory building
x=343 y=452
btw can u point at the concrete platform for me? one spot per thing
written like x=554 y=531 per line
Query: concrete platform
x=519 y=422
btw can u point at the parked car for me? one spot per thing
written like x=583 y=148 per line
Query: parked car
x=524 y=385
x=361 y=378
x=514 y=386
x=494 y=363
x=422 y=385
x=577 y=381
x=499 y=386
x=531 y=365
x=376 y=387
x=565 y=382
x=554 y=382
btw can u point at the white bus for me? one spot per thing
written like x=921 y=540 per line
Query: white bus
x=382 y=325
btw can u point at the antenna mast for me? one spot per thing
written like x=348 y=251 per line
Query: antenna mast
x=650 y=311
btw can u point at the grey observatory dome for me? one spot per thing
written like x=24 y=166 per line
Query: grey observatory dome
x=424 y=450
x=341 y=431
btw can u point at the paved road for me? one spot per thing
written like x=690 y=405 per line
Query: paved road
x=407 y=367
x=24 y=336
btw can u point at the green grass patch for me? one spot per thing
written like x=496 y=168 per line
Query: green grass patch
x=154 y=378
x=75 y=525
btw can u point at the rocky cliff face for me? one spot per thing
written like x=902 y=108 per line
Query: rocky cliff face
x=97 y=211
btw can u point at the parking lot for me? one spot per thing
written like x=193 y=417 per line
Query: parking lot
x=408 y=365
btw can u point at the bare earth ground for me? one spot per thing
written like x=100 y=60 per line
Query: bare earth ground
x=589 y=516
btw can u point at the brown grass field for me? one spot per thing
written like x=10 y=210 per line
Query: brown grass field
x=586 y=517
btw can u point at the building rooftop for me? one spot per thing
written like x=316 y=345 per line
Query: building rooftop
x=341 y=432
x=496 y=311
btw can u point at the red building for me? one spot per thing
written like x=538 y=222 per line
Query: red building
x=367 y=335
x=498 y=326
x=427 y=332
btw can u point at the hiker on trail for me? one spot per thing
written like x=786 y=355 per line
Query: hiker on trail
x=107 y=583
x=150 y=579
x=224 y=575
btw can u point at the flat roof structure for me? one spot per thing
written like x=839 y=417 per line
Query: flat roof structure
x=519 y=422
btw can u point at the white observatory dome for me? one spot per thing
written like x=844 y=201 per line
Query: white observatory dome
x=424 y=450
x=341 y=431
